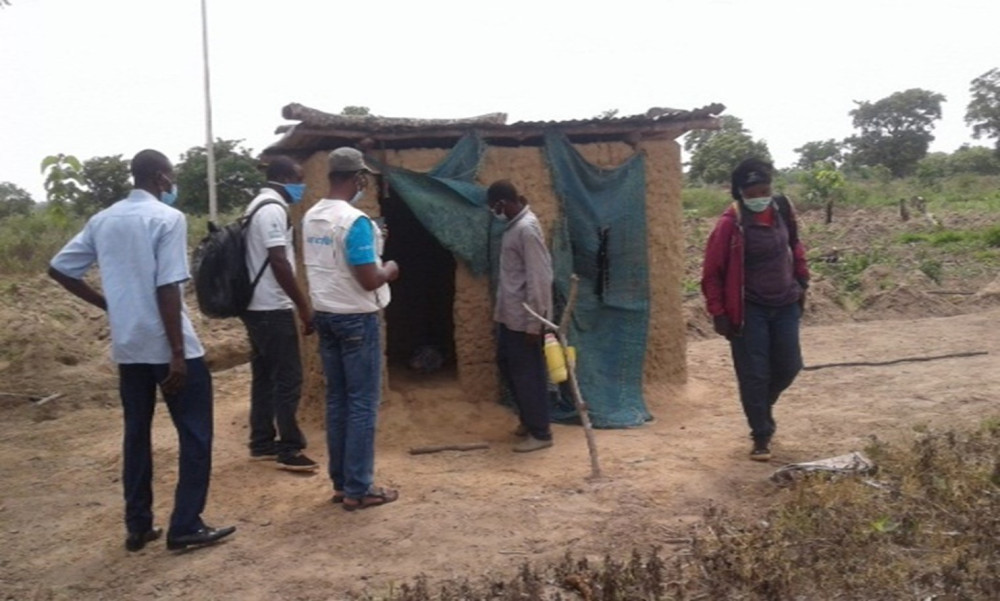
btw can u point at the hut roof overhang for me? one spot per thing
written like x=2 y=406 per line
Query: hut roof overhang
x=319 y=131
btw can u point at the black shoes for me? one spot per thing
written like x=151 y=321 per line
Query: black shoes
x=297 y=463
x=205 y=536
x=761 y=450
x=135 y=541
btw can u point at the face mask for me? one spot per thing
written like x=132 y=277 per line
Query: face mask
x=169 y=198
x=757 y=205
x=357 y=197
x=295 y=191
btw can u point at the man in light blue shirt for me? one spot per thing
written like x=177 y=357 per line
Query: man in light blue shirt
x=140 y=245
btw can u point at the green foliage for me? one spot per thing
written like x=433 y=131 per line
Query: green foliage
x=705 y=201
x=107 y=180
x=992 y=237
x=237 y=177
x=14 y=200
x=608 y=114
x=823 y=183
x=895 y=131
x=63 y=178
x=728 y=124
x=975 y=160
x=28 y=242
x=715 y=160
x=983 y=112
x=825 y=151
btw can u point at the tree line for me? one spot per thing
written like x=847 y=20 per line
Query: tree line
x=892 y=134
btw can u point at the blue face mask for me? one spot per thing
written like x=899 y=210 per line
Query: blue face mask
x=757 y=205
x=295 y=191
x=169 y=198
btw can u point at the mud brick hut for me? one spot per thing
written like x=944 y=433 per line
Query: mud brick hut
x=608 y=194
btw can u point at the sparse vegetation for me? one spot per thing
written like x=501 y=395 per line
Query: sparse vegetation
x=926 y=526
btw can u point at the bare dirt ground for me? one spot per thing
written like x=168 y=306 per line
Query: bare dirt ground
x=460 y=514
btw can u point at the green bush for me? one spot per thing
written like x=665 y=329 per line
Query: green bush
x=28 y=242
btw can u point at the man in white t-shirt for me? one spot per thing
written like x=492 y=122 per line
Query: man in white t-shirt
x=276 y=365
x=349 y=285
x=140 y=245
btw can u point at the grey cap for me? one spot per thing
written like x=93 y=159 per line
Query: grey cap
x=347 y=159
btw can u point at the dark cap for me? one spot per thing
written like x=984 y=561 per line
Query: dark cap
x=756 y=177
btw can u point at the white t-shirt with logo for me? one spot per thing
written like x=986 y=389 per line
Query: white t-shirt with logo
x=268 y=228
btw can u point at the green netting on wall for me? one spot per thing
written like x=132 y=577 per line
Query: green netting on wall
x=601 y=236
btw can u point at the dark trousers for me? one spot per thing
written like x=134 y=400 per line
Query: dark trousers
x=522 y=367
x=276 y=370
x=767 y=358
x=191 y=411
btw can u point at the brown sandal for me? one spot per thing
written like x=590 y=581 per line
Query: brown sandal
x=376 y=496
x=338 y=496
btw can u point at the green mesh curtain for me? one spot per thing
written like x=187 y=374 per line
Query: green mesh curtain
x=602 y=238
x=452 y=207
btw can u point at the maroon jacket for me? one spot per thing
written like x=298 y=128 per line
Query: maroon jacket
x=722 y=271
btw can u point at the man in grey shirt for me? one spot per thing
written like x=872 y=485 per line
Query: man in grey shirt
x=525 y=277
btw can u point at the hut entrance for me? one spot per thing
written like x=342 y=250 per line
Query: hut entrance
x=420 y=327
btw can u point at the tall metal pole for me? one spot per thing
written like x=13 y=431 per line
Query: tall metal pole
x=209 y=139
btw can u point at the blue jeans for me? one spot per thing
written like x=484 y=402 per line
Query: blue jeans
x=767 y=358
x=276 y=369
x=191 y=411
x=352 y=362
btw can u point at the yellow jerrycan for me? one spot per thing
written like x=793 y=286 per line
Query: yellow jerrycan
x=555 y=359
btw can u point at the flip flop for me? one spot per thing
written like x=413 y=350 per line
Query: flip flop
x=376 y=496
x=338 y=496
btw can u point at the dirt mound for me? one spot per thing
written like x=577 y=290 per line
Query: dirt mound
x=906 y=301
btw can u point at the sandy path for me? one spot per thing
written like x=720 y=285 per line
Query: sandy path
x=461 y=514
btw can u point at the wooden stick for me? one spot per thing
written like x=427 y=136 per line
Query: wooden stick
x=581 y=406
x=894 y=361
x=51 y=397
x=448 y=447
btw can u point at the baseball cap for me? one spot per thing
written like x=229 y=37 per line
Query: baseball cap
x=756 y=177
x=347 y=159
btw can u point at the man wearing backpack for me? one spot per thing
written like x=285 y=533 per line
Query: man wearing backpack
x=140 y=245
x=348 y=284
x=270 y=321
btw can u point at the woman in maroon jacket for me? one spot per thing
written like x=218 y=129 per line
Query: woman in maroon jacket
x=754 y=280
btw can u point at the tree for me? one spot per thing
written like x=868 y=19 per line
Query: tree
x=694 y=140
x=14 y=200
x=823 y=151
x=983 y=112
x=894 y=131
x=976 y=160
x=714 y=159
x=237 y=177
x=608 y=114
x=107 y=180
x=63 y=178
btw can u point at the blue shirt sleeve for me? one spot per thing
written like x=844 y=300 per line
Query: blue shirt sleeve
x=361 y=242
x=171 y=253
x=77 y=257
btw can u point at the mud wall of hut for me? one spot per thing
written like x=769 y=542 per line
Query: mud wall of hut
x=527 y=169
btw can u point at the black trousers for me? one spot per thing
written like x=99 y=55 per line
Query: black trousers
x=522 y=366
x=276 y=368
x=191 y=411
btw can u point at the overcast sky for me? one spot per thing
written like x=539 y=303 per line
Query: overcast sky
x=103 y=77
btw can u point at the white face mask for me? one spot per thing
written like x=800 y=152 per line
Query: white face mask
x=357 y=197
x=758 y=204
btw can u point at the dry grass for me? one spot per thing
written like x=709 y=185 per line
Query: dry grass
x=926 y=527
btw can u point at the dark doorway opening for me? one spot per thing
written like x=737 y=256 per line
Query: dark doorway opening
x=420 y=327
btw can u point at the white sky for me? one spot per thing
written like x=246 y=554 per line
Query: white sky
x=102 y=77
